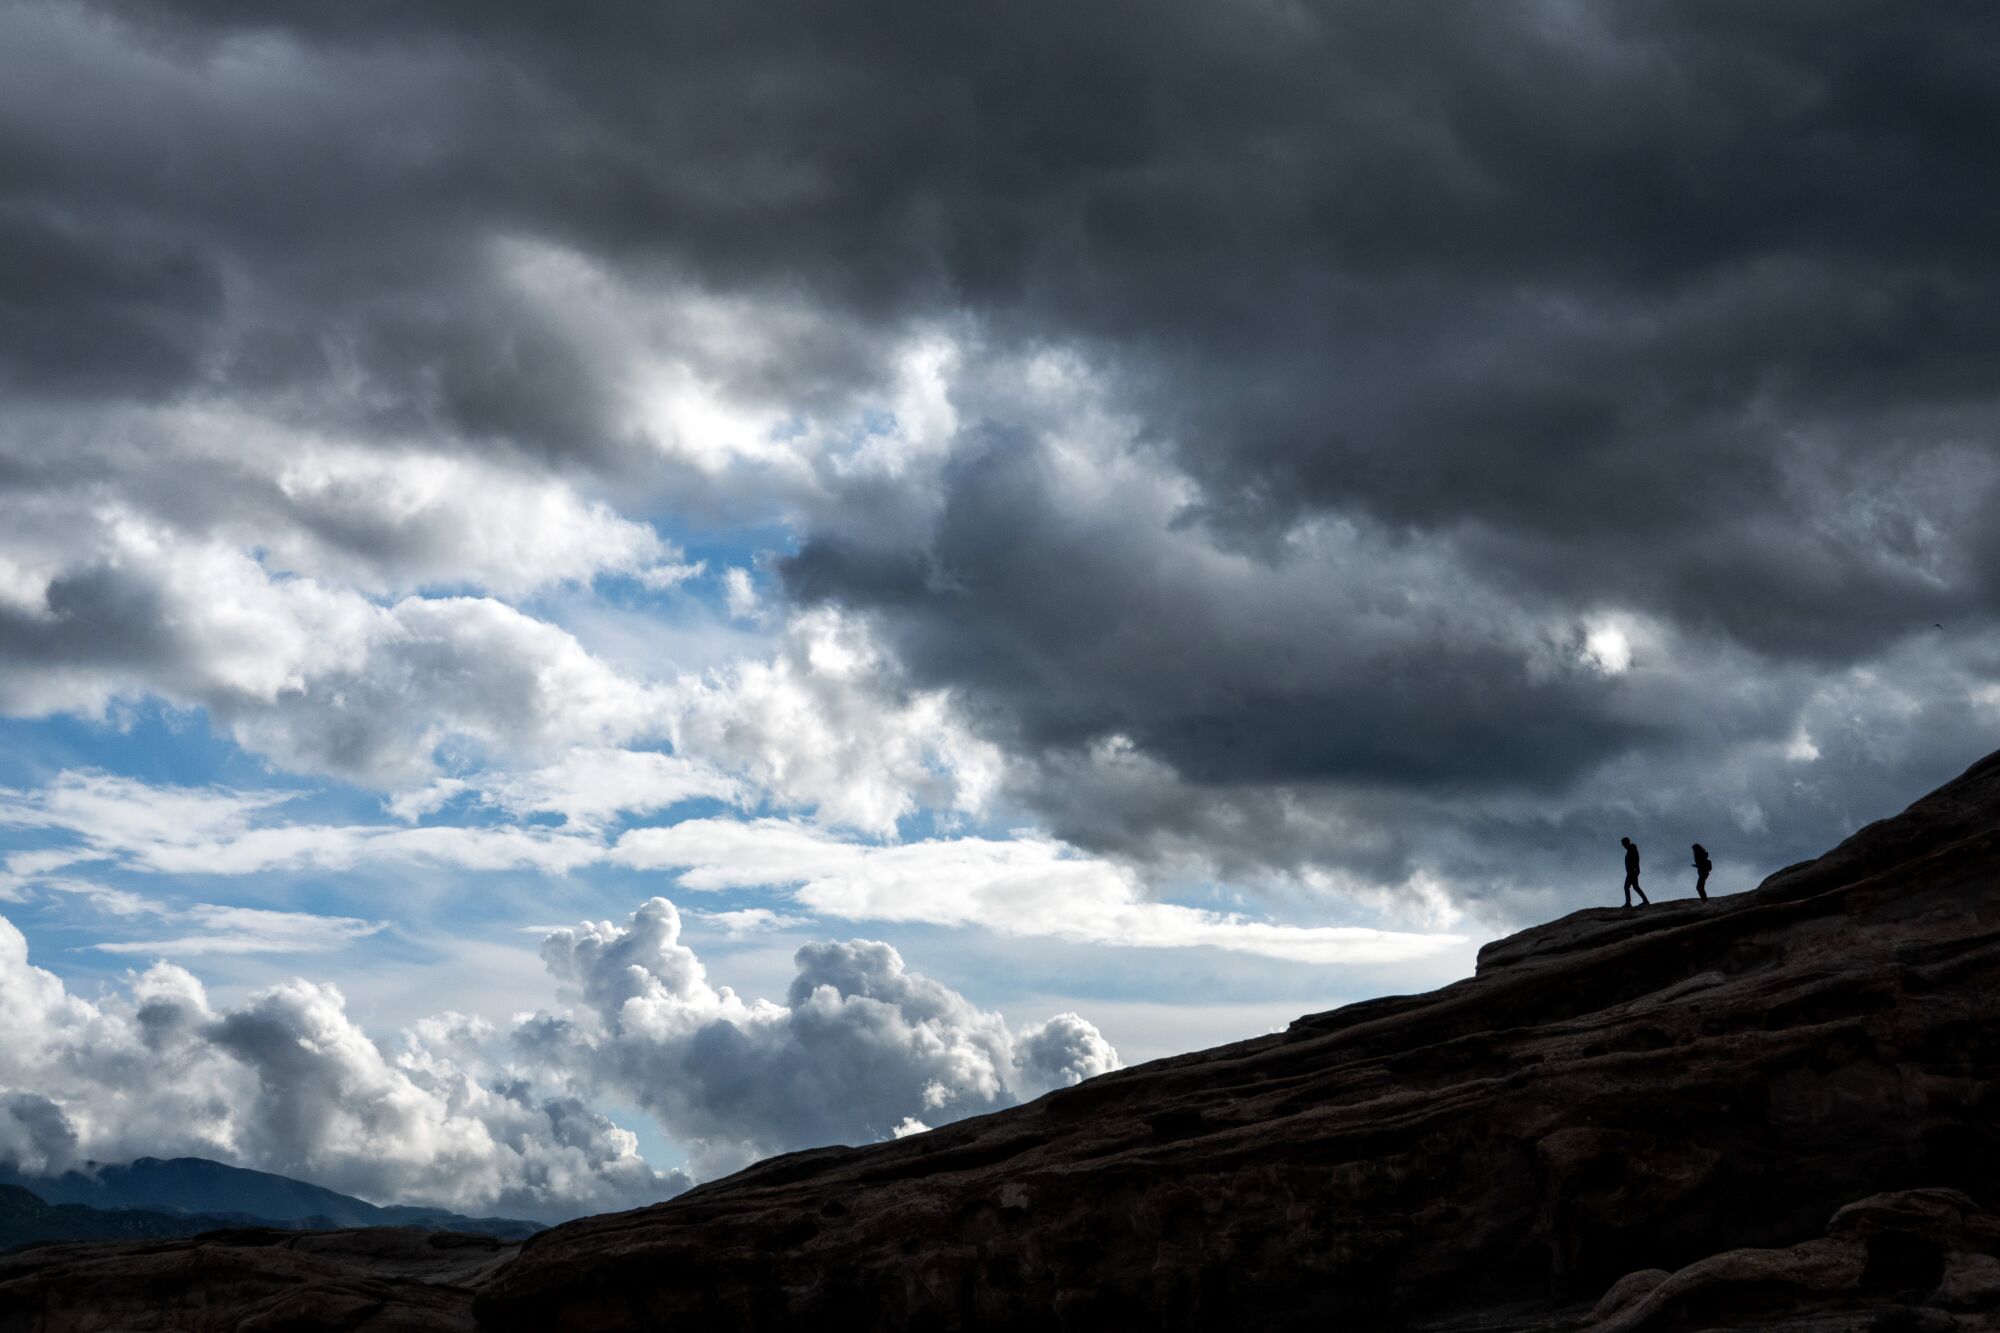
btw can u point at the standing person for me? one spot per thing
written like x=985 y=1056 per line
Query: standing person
x=1702 y=865
x=1632 y=873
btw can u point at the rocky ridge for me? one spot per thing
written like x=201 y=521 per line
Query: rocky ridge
x=1771 y=1110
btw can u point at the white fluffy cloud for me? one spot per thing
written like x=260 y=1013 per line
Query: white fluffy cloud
x=295 y=587
x=287 y=1082
x=1062 y=1053
x=455 y=1113
x=314 y=675
x=289 y=583
x=34 y=1134
x=740 y=594
x=386 y=518
x=824 y=724
x=467 y=672
x=860 y=1046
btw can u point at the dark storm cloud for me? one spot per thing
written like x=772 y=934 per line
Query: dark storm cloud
x=1483 y=263
x=96 y=313
x=1078 y=630
x=1683 y=310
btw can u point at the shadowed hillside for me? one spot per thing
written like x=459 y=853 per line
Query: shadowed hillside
x=26 y=1219
x=240 y=1196
x=1655 y=1113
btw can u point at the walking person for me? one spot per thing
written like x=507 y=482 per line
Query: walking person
x=1632 y=873
x=1702 y=865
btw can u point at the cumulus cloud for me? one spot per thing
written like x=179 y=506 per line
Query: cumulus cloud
x=740 y=594
x=287 y=1082
x=449 y=670
x=1061 y=1053
x=860 y=1047
x=313 y=674
x=455 y=1113
x=827 y=723
x=34 y=1134
x=216 y=559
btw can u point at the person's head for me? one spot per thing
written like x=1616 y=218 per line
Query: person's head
x=1700 y=850
x=1626 y=841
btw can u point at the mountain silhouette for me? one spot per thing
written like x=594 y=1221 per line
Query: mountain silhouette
x=26 y=1220
x=240 y=1196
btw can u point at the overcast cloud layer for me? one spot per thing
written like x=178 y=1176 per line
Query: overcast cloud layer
x=1288 y=479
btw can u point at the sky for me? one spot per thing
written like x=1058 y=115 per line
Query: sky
x=592 y=593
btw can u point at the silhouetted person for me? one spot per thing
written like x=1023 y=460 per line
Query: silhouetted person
x=1702 y=865
x=1632 y=873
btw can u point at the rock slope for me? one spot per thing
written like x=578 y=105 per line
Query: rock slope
x=1777 y=1109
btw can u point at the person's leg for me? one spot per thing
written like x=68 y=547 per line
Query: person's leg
x=1701 y=885
x=1641 y=892
x=1631 y=882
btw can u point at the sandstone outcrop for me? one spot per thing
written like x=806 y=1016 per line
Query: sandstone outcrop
x=1913 y=1259
x=1641 y=1120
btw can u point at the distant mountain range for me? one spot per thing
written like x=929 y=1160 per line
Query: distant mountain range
x=27 y=1220
x=185 y=1195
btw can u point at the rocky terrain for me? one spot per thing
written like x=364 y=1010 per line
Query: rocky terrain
x=376 y=1278
x=1771 y=1110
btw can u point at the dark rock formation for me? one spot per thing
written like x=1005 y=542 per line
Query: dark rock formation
x=378 y=1280
x=1914 y=1259
x=1653 y=1114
